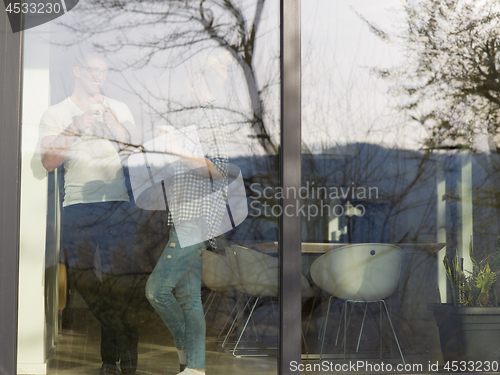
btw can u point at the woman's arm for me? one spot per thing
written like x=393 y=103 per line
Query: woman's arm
x=202 y=165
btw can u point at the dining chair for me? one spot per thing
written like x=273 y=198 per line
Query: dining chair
x=216 y=276
x=258 y=277
x=359 y=273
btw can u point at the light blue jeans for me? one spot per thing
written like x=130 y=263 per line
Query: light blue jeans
x=180 y=268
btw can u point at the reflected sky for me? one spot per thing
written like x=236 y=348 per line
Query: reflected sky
x=342 y=101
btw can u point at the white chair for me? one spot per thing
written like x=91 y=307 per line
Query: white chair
x=216 y=276
x=359 y=273
x=258 y=277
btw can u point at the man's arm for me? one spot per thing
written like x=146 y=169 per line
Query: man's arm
x=54 y=148
x=118 y=131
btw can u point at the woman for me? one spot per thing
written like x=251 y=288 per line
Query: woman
x=196 y=200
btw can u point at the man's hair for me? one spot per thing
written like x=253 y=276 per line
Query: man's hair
x=79 y=57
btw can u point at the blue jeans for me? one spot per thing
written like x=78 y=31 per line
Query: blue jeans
x=180 y=268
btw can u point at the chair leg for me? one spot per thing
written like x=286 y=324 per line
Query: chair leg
x=394 y=332
x=345 y=327
x=274 y=308
x=362 y=325
x=229 y=317
x=245 y=326
x=233 y=326
x=340 y=323
x=324 y=329
x=216 y=296
x=210 y=299
x=380 y=329
x=235 y=321
x=310 y=315
x=255 y=330
x=322 y=321
x=305 y=343
x=349 y=320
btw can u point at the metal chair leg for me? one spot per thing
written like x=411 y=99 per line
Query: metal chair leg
x=229 y=317
x=210 y=298
x=346 y=324
x=324 y=329
x=345 y=329
x=305 y=343
x=244 y=327
x=362 y=325
x=310 y=315
x=380 y=329
x=340 y=323
x=394 y=332
x=235 y=321
x=254 y=330
x=233 y=326
x=350 y=316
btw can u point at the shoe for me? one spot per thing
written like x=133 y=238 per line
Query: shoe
x=182 y=367
x=190 y=371
x=128 y=358
x=108 y=369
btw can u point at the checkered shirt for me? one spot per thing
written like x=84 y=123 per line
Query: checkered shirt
x=193 y=195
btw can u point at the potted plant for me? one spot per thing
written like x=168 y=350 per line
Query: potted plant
x=469 y=328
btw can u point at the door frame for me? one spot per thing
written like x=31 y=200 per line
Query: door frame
x=10 y=188
x=289 y=348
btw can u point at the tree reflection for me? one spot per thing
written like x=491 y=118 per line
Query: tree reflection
x=449 y=84
x=165 y=35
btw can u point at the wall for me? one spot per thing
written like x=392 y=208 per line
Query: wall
x=32 y=350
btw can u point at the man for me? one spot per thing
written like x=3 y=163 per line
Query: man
x=86 y=133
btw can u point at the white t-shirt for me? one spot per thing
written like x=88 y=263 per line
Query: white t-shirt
x=93 y=170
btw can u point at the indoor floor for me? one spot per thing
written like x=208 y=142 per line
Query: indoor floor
x=77 y=350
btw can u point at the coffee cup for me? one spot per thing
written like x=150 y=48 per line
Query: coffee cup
x=96 y=107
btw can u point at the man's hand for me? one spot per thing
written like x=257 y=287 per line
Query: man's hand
x=109 y=116
x=119 y=133
x=85 y=121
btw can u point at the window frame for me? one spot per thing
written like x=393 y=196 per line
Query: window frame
x=289 y=348
x=10 y=189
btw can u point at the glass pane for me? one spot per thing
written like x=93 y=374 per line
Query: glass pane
x=147 y=128
x=399 y=169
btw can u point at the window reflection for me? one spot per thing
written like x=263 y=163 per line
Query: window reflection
x=393 y=101
x=116 y=78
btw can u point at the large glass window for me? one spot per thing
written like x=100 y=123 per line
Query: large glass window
x=399 y=149
x=147 y=127
x=151 y=198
